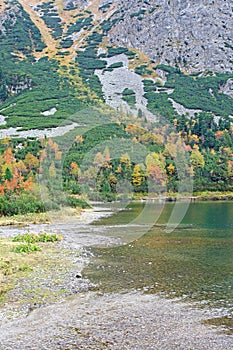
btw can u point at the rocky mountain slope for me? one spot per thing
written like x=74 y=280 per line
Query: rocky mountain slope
x=196 y=34
x=179 y=51
x=159 y=64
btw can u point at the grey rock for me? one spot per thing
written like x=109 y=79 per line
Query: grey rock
x=74 y=3
x=196 y=35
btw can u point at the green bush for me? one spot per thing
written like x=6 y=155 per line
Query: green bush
x=20 y=204
x=80 y=23
x=113 y=51
x=53 y=22
x=113 y=66
x=116 y=65
x=160 y=104
x=77 y=203
x=138 y=14
x=66 y=43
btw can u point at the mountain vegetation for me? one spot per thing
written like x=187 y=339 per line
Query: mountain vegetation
x=50 y=53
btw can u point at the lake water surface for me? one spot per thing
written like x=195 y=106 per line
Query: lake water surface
x=193 y=262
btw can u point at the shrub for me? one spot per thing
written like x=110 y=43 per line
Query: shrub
x=129 y=97
x=77 y=202
x=112 y=51
x=143 y=70
x=20 y=204
x=116 y=65
x=198 y=92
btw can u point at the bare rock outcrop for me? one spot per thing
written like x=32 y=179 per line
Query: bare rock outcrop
x=195 y=34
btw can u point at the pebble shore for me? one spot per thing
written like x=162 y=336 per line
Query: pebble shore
x=118 y=322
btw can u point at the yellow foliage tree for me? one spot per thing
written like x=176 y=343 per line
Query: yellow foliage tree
x=137 y=175
x=197 y=159
x=99 y=160
x=31 y=161
x=52 y=171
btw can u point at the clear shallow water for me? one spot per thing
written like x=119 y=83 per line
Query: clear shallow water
x=194 y=262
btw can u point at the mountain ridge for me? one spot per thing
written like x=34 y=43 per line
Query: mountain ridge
x=76 y=37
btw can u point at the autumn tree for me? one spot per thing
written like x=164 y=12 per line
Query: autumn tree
x=107 y=157
x=137 y=176
x=155 y=165
x=79 y=139
x=31 y=162
x=28 y=184
x=74 y=170
x=197 y=160
x=125 y=166
x=52 y=171
x=8 y=156
x=20 y=167
x=98 y=160
x=112 y=179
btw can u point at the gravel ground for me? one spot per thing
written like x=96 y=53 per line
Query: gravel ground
x=82 y=319
x=113 y=87
x=115 y=321
x=52 y=132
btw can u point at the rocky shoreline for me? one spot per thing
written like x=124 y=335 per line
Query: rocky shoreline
x=82 y=319
x=129 y=321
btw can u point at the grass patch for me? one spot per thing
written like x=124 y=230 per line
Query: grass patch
x=214 y=196
x=21 y=261
x=23 y=220
x=33 y=238
x=26 y=248
x=225 y=321
x=28 y=240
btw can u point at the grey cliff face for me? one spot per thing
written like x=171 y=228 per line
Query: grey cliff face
x=195 y=34
x=9 y=16
x=73 y=3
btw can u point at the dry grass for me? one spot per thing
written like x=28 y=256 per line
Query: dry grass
x=225 y=322
x=31 y=278
x=94 y=7
x=41 y=218
x=14 y=265
x=2 y=7
x=24 y=220
x=141 y=59
x=51 y=44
